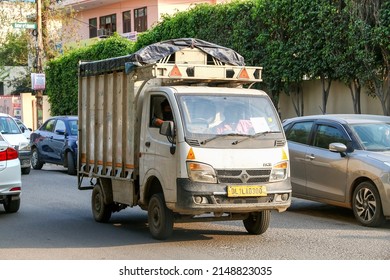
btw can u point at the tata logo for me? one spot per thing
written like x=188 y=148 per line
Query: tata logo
x=267 y=164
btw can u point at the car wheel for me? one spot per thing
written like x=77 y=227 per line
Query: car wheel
x=101 y=211
x=11 y=205
x=160 y=218
x=71 y=164
x=367 y=206
x=35 y=161
x=257 y=222
x=26 y=170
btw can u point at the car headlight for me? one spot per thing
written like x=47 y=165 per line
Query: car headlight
x=24 y=147
x=279 y=171
x=200 y=172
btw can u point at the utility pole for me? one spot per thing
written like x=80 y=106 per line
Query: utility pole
x=39 y=92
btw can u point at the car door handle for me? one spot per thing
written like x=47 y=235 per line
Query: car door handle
x=310 y=157
x=147 y=144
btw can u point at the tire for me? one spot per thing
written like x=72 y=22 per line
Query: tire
x=160 y=218
x=71 y=164
x=36 y=163
x=258 y=222
x=367 y=205
x=101 y=211
x=10 y=205
x=26 y=170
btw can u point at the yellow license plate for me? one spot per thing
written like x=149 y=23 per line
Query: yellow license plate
x=246 y=191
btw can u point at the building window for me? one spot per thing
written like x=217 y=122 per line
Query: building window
x=140 y=19
x=1 y=88
x=107 y=25
x=126 y=21
x=92 y=27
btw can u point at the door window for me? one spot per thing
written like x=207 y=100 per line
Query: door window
x=300 y=132
x=326 y=134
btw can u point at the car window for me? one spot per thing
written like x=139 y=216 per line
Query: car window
x=8 y=126
x=73 y=124
x=49 y=125
x=60 y=125
x=326 y=134
x=299 y=132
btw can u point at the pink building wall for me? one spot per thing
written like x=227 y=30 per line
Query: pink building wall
x=88 y=9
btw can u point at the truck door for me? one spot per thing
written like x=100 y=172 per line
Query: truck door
x=156 y=159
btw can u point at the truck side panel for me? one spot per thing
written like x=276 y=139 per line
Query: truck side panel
x=106 y=117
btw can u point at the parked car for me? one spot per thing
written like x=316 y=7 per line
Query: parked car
x=56 y=142
x=11 y=178
x=14 y=136
x=342 y=160
x=25 y=130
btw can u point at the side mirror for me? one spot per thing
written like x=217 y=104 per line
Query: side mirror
x=167 y=128
x=340 y=148
x=60 y=131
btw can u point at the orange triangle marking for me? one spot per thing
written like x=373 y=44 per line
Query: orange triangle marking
x=243 y=74
x=175 y=72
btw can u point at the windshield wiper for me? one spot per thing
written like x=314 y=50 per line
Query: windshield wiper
x=203 y=142
x=255 y=136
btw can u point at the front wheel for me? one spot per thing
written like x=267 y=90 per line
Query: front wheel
x=26 y=170
x=36 y=163
x=160 y=218
x=257 y=222
x=101 y=211
x=11 y=205
x=367 y=206
x=71 y=164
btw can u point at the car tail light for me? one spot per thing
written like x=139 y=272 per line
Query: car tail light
x=8 y=154
x=14 y=189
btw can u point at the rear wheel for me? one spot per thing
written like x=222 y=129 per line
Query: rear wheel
x=11 y=205
x=367 y=206
x=26 y=170
x=101 y=211
x=160 y=218
x=36 y=163
x=257 y=222
x=71 y=164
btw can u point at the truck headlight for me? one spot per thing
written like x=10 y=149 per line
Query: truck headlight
x=279 y=171
x=200 y=172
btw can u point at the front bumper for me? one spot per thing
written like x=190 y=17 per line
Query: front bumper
x=199 y=198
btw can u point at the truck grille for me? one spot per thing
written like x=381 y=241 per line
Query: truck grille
x=238 y=176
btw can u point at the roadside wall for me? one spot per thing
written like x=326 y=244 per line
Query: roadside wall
x=339 y=101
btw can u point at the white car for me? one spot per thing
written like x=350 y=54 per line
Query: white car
x=13 y=135
x=25 y=130
x=11 y=178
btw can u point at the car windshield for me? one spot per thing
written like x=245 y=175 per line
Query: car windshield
x=8 y=126
x=246 y=115
x=373 y=136
x=73 y=124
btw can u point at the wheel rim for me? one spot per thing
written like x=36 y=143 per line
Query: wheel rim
x=156 y=216
x=98 y=203
x=34 y=157
x=366 y=204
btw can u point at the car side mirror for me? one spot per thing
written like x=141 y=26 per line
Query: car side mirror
x=60 y=131
x=340 y=148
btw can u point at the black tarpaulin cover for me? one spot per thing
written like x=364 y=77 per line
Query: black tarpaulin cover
x=154 y=52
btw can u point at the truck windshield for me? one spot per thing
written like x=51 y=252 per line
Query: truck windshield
x=245 y=115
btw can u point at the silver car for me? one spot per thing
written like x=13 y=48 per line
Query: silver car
x=342 y=160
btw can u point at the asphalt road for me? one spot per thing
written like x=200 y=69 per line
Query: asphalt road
x=55 y=223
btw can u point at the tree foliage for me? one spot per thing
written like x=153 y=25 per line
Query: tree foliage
x=345 y=40
x=62 y=73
